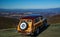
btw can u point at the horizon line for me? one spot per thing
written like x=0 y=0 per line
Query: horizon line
x=28 y=8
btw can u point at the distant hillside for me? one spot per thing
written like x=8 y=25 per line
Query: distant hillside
x=8 y=22
x=54 y=10
x=19 y=12
x=54 y=19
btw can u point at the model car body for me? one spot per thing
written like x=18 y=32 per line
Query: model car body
x=31 y=23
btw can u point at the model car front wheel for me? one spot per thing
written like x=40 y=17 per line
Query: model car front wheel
x=45 y=23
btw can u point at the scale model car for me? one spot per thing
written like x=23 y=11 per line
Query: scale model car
x=31 y=24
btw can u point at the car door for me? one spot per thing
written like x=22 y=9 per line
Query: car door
x=38 y=22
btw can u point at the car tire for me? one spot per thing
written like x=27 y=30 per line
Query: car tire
x=37 y=31
x=45 y=24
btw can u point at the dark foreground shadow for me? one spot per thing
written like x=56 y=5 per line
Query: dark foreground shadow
x=40 y=31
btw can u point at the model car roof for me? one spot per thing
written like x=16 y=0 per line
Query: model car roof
x=32 y=16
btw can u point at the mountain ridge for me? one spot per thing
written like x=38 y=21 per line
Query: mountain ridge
x=19 y=12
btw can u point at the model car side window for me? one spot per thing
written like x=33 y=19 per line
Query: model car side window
x=37 y=20
x=40 y=18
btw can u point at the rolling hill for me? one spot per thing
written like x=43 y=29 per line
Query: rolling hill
x=54 y=19
x=8 y=22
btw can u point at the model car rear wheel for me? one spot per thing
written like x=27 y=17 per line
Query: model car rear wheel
x=37 y=31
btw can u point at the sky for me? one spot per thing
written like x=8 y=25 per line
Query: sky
x=29 y=4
